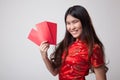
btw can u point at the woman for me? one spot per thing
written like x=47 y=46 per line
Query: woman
x=79 y=51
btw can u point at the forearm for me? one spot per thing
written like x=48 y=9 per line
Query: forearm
x=43 y=50
x=101 y=77
x=100 y=73
x=49 y=65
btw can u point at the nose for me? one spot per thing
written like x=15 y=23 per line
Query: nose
x=72 y=26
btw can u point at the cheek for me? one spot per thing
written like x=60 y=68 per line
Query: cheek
x=80 y=27
x=80 y=30
x=68 y=28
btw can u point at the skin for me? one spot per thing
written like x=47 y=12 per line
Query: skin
x=74 y=27
x=43 y=50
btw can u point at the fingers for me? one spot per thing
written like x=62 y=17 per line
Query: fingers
x=44 y=46
x=44 y=42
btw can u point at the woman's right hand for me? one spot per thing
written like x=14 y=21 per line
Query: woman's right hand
x=44 y=46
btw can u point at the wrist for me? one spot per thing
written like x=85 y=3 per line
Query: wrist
x=44 y=55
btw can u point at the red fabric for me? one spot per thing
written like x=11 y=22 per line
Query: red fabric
x=76 y=65
x=97 y=58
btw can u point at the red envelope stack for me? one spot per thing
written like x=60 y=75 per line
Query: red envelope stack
x=45 y=31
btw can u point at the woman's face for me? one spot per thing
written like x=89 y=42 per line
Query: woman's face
x=74 y=26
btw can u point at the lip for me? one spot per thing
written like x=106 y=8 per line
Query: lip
x=74 y=31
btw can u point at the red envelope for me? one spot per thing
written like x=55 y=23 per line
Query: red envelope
x=53 y=31
x=33 y=36
x=46 y=31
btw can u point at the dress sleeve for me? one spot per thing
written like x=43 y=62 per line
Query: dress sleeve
x=97 y=58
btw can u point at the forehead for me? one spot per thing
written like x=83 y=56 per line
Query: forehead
x=70 y=18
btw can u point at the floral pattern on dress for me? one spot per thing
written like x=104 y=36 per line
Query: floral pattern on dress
x=76 y=65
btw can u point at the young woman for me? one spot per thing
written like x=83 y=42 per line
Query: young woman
x=79 y=51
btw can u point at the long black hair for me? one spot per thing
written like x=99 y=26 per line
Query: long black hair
x=88 y=35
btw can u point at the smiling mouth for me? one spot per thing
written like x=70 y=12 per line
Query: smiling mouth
x=74 y=32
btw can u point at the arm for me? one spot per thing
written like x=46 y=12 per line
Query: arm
x=43 y=50
x=98 y=63
x=100 y=73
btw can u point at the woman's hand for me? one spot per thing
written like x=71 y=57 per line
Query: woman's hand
x=44 y=46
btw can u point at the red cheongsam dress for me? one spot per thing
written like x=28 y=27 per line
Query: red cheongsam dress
x=76 y=65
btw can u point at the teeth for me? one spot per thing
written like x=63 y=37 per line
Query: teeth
x=74 y=32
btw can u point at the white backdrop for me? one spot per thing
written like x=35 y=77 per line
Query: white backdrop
x=20 y=58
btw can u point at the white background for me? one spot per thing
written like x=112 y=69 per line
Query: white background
x=20 y=58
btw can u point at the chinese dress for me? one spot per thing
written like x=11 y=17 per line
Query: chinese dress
x=77 y=64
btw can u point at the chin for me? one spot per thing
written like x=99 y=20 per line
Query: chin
x=76 y=37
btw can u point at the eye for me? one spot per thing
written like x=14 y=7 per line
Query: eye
x=67 y=23
x=75 y=21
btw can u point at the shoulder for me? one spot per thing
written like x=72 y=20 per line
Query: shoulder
x=97 y=50
x=97 y=58
x=97 y=47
